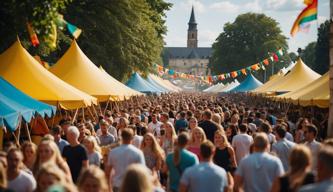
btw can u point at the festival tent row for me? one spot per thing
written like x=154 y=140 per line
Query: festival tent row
x=299 y=76
x=248 y=84
x=139 y=84
x=123 y=90
x=315 y=93
x=21 y=70
x=214 y=88
x=161 y=82
x=229 y=86
x=75 y=68
x=14 y=104
x=156 y=85
x=169 y=84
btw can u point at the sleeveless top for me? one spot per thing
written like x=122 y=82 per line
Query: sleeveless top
x=222 y=159
x=284 y=182
x=150 y=158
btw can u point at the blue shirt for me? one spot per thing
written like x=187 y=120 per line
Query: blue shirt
x=61 y=144
x=205 y=177
x=180 y=123
x=187 y=159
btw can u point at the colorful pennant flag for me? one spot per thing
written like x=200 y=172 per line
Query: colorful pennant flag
x=33 y=36
x=75 y=32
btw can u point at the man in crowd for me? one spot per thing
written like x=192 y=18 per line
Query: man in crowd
x=18 y=179
x=257 y=171
x=121 y=157
x=105 y=138
x=208 y=125
x=56 y=133
x=310 y=136
x=154 y=126
x=205 y=176
x=181 y=124
x=282 y=147
x=74 y=153
x=241 y=143
x=324 y=172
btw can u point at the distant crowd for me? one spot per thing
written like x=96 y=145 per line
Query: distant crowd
x=180 y=142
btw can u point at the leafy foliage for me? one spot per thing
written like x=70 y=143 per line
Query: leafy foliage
x=246 y=41
x=322 y=49
x=309 y=55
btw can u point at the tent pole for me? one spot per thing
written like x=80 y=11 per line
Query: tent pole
x=91 y=114
x=84 y=119
x=28 y=132
x=74 y=117
x=106 y=107
x=53 y=120
x=94 y=110
x=100 y=108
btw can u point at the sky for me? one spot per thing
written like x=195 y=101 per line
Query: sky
x=211 y=15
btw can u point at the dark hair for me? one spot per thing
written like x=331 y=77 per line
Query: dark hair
x=243 y=127
x=249 y=120
x=313 y=129
x=325 y=156
x=182 y=114
x=64 y=122
x=208 y=114
x=182 y=141
x=281 y=130
x=266 y=127
x=207 y=148
x=56 y=129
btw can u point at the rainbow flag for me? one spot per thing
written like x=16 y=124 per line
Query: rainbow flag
x=307 y=15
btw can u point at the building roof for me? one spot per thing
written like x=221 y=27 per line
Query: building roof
x=188 y=53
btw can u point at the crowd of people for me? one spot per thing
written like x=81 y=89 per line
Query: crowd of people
x=186 y=142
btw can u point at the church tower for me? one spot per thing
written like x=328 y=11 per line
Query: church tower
x=192 y=32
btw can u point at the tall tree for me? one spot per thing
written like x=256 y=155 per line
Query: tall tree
x=246 y=41
x=322 y=49
x=41 y=14
x=122 y=36
x=309 y=55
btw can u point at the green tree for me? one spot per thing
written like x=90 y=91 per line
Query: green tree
x=40 y=13
x=309 y=55
x=122 y=36
x=322 y=49
x=292 y=56
x=246 y=41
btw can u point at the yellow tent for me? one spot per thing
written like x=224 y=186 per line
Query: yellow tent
x=75 y=68
x=273 y=80
x=315 y=93
x=123 y=90
x=299 y=76
x=19 y=68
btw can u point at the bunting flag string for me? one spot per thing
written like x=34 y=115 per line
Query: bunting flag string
x=274 y=57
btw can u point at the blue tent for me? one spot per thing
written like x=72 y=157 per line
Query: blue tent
x=14 y=103
x=248 y=84
x=156 y=85
x=136 y=82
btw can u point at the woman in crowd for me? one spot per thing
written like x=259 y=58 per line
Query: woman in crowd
x=122 y=124
x=231 y=131
x=152 y=151
x=93 y=179
x=168 y=139
x=193 y=123
x=94 y=151
x=224 y=154
x=197 y=137
x=29 y=154
x=299 y=172
x=301 y=127
x=48 y=175
x=48 y=151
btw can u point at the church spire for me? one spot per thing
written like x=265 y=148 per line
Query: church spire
x=192 y=32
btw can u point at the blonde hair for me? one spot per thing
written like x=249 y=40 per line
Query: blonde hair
x=92 y=140
x=157 y=150
x=137 y=178
x=203 y=135
x=3 y=177
x=56 y=156
x=217 y=118
x=299 y=158
x=173 y=131
x=224 y=136
x=50 y=169
x=95 y=173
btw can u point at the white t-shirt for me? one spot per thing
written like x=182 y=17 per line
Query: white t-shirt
x=155 y=128
x=120 y=158
x=23 y=182
x=314 y=147
x=258 y=171
x=241 y=143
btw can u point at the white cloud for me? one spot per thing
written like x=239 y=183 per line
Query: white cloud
x=284 y=5
x=225 y=6
x=197 y=4
x=207 y=37
x=254 y=6
x=322 y=19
